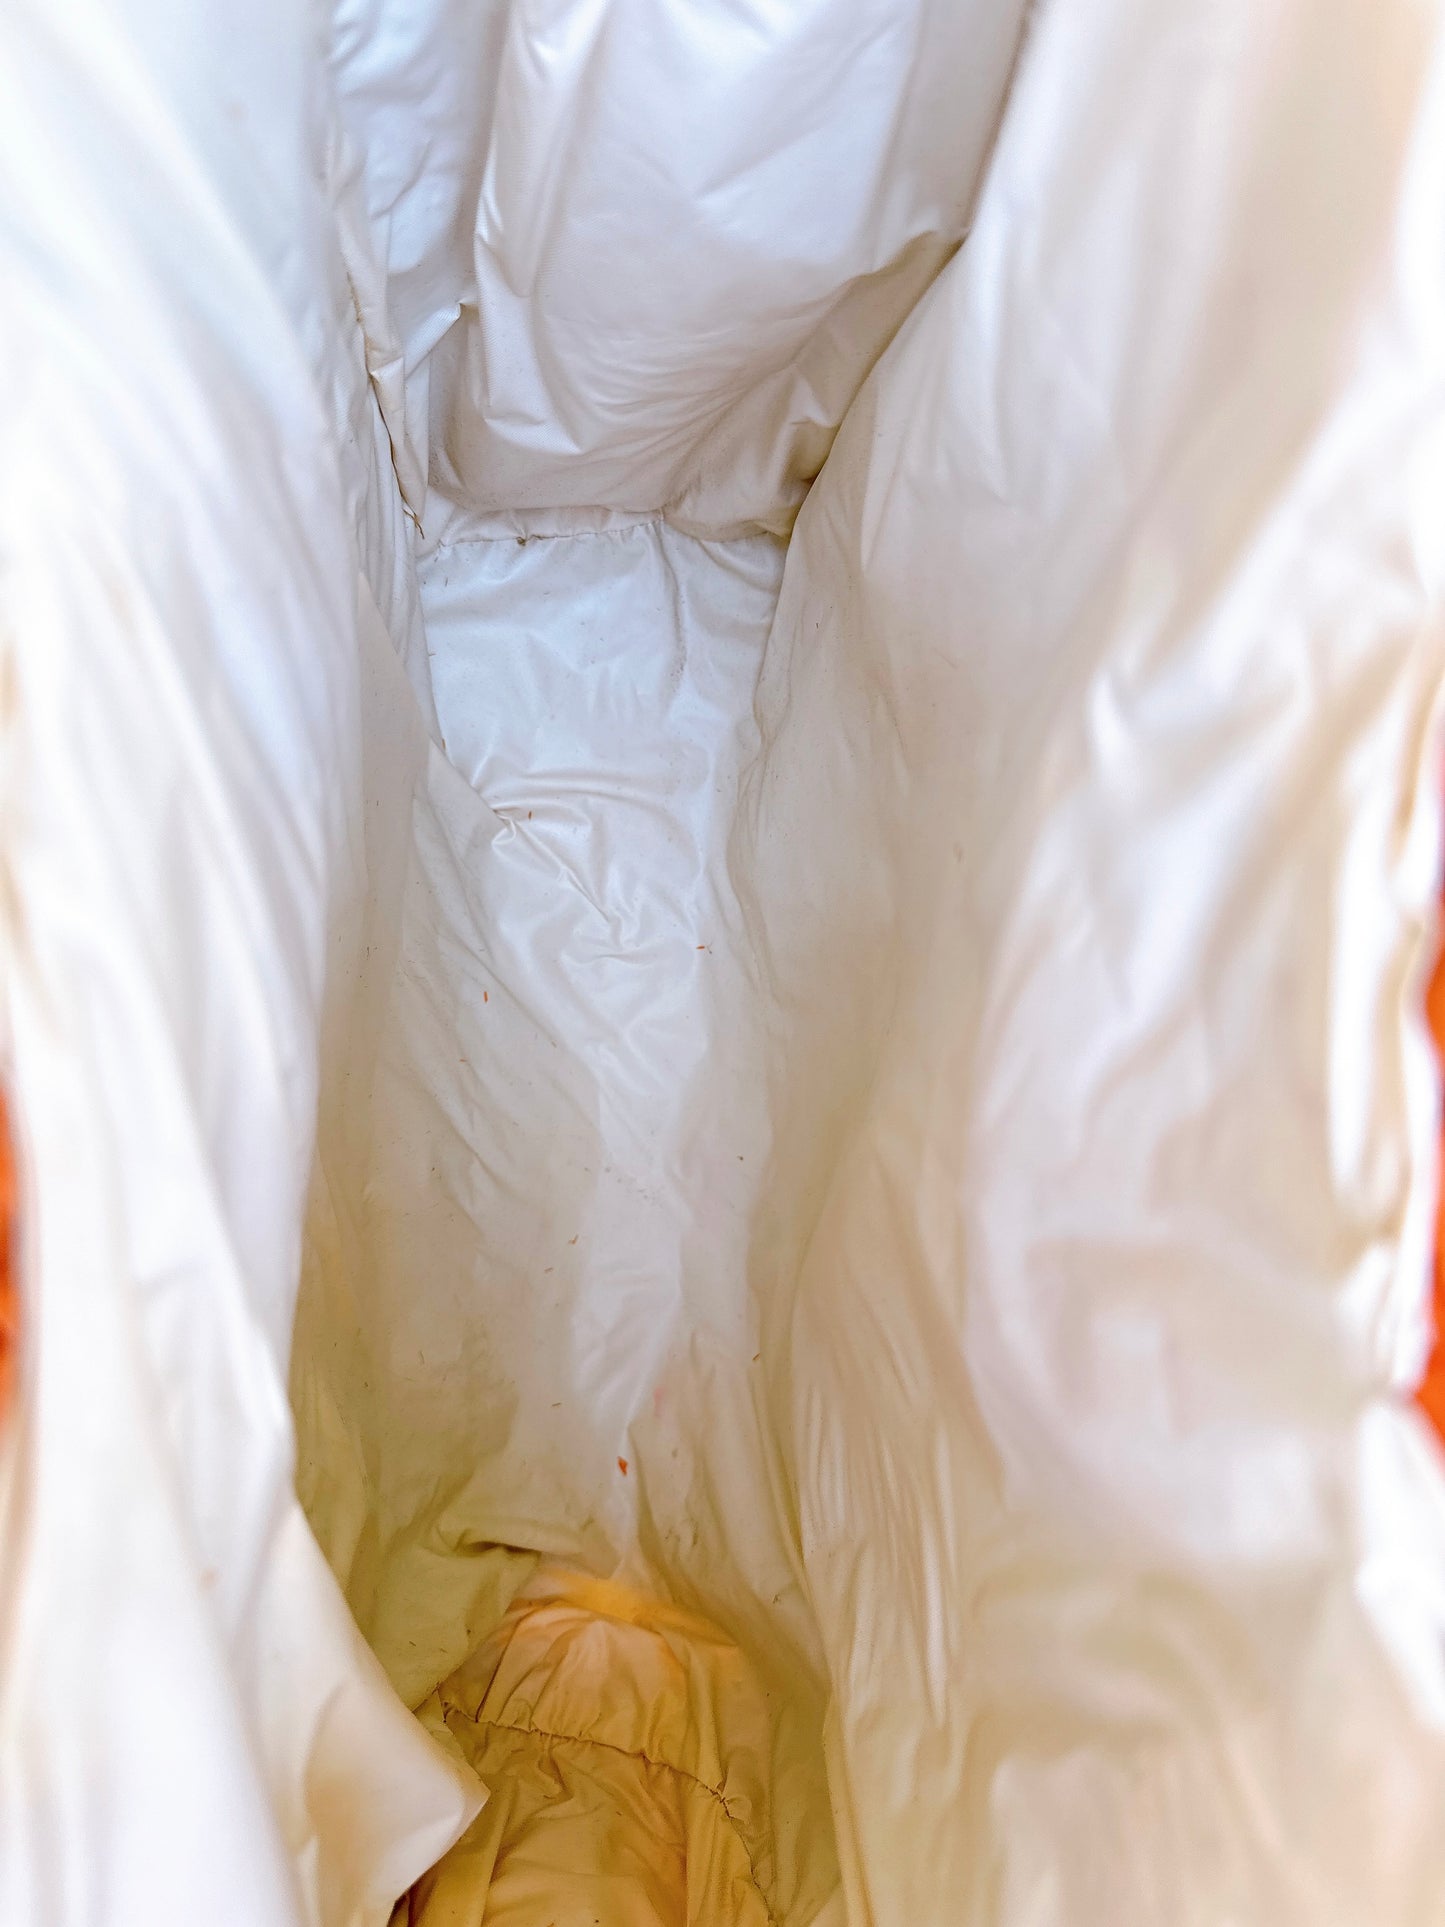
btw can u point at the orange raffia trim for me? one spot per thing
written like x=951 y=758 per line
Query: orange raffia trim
x=1432 y=1390
x=8 y=1307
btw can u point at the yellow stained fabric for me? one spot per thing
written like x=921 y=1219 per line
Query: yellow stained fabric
x=625 y=1744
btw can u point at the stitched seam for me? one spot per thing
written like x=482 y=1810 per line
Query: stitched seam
x=659 y=520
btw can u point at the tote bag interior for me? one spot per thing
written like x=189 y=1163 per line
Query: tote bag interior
x=727 y=715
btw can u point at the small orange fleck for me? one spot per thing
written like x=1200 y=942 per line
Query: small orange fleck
x=702 y=946
x=485 y=998
x=622 y=1467
x=572 y=1241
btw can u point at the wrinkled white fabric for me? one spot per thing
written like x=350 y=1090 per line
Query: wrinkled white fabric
x=1078 y=898
x=538 y=1220
x=1100 y=742
x=870 y=1101
x=640 y=254
x=190 y=1725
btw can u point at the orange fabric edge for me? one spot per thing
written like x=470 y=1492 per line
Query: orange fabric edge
x=1432 y=1387
x=9 y=1315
